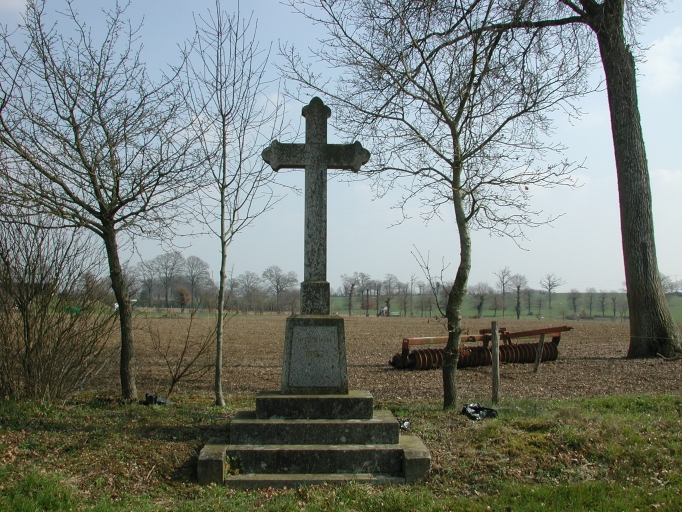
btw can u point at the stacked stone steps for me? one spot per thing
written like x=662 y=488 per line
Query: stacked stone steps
x=280 y=444
x=247 y=429
x=385 y=459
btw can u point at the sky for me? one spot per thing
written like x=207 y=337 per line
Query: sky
x=582 y=246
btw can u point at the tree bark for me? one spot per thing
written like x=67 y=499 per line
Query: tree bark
x=453 y=309
x=652 y=328
x=220 y=329
x=125 y=315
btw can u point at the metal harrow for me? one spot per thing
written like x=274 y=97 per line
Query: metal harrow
x=428 y=358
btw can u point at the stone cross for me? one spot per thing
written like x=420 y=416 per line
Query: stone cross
x=316 y=156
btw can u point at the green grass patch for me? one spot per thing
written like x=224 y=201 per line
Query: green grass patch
x=99 y=453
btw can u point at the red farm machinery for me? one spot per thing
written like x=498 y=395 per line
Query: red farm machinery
x=510 y=352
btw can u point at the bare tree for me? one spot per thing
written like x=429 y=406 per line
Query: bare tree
x=421 y=287
x=349 y=283
x=528 y=294
x=480 y=291
x=377 y=285
x=413 y=280
x=519 y=282
x=623 y=307
x=250 y=290
x=365 y=285
x=168 y=267
x=88 y=137
x=197 y=274
x=279 y=281
x=550 y=283
x=226 y=88
x=612 y=24
x=147 y=276
x=504 y=276
x=452 y=111
x=603 y=296
x=391 y=289
x=670 y=286
x=496 y=303
x=574 y=299
x=187 y=358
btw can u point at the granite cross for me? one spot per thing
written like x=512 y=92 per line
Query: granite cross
x=316 y=156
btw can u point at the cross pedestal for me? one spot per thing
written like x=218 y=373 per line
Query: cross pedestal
x=314 y=343
x=314 y=430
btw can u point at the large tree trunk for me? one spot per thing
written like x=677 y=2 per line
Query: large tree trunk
x=125 y=315
x=652 y=328
x=453 y=309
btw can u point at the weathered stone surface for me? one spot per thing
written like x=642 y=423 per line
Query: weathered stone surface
x=211 y=463
x=302 y=458
x=416 y=459
x=245 y=428
x=316 y=156
x=314 y=356
x=314 y=430
x=354 y=405
x=256 y=481
x=315 y=298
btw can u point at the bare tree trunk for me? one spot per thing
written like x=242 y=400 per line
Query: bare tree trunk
x=218 y=381
x=652 y=328
x=453 y=309
x=125 y=315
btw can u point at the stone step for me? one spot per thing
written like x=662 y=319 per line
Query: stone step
x=316 y=458
x=355 y=405
x=211 y=466
x=253 y=480
x=382 y=428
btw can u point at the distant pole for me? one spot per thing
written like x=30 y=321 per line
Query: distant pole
x=538 y=355
x=496 y=363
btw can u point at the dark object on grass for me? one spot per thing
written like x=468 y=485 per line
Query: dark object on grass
x=405 y=424
x=150 y=399
x=478 y=412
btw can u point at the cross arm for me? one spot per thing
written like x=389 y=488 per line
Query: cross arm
x=346 y=156
x=285 y=156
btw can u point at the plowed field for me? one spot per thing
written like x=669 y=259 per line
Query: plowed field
x=591 y=360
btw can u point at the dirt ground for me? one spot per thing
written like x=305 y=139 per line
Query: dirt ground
x=591 y=360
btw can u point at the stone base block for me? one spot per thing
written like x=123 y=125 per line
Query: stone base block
x=245 y=428
x=211 y=463
x=356 y=405
x=314 y=356
x=416 y=459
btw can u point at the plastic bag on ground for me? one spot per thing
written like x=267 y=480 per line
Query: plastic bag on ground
x=478 y=412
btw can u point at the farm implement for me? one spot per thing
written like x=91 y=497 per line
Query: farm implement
x=510 y=352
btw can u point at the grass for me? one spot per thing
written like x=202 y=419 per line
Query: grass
x=97 y=453
x=560 y=307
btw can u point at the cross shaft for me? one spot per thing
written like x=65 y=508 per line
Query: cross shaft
x=315 y=156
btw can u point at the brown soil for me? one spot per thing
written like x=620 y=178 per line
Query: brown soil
x=591 y=360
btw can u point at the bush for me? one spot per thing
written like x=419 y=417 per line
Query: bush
x=54 y=318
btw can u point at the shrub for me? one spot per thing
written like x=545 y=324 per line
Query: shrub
x=54 y=317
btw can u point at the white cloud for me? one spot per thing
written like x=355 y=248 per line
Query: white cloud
x=662 y=71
